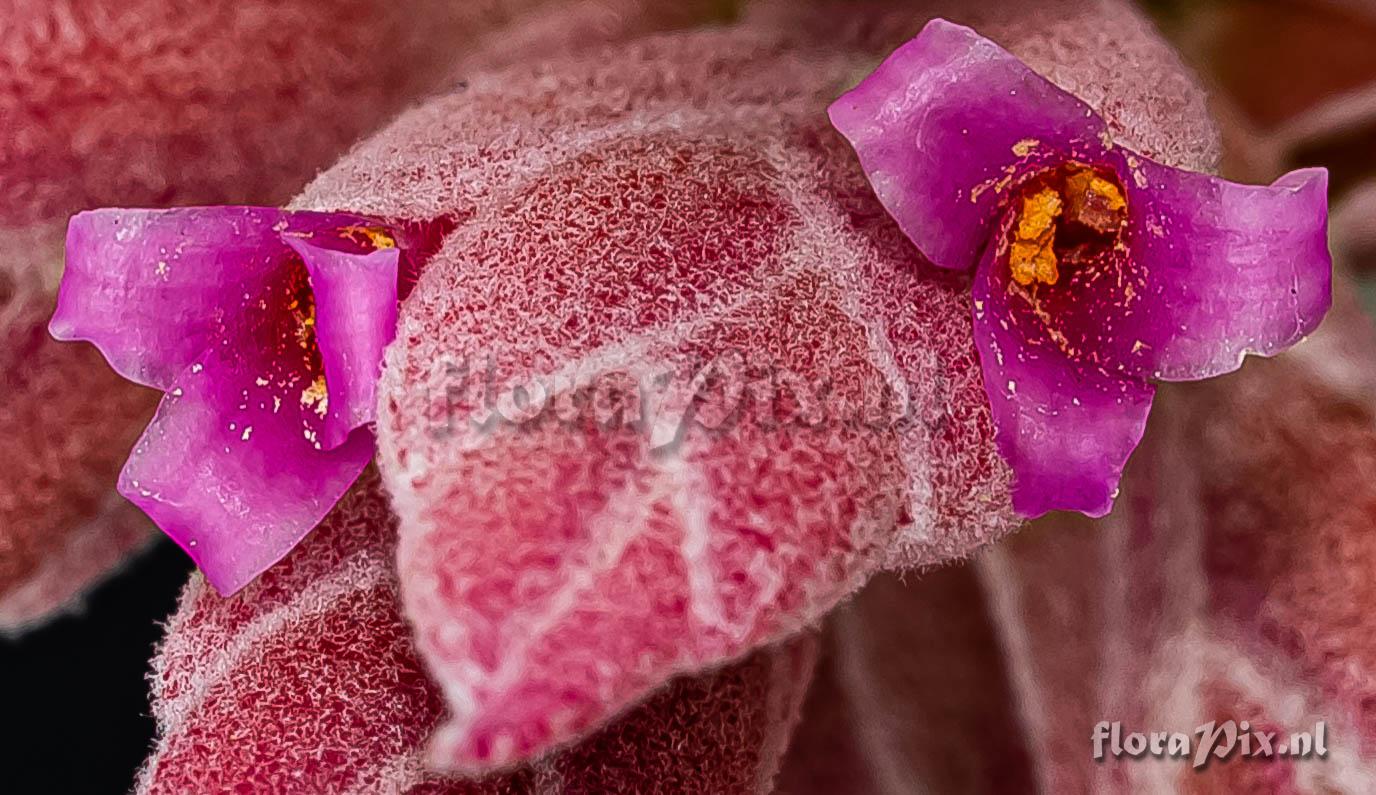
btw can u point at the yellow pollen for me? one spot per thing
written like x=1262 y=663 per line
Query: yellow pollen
x=316 y=397
x=1083 y=185
x=1033 y=255
x=305 y=329
x=379 y=238
x=1087 y=199
x=1039 y=213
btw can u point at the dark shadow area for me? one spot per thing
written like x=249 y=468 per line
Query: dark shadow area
x=75 y=695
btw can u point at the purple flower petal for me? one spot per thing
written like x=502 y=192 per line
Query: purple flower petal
x=356 y=317
x=946 y=124
x=1099 y=270
x=266 y=329
x=152 y=289
x=229 y=470
x=1206 y=272
x=1066 y=430
x=1229 y=269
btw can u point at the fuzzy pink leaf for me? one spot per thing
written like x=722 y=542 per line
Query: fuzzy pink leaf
x=674 y=221
x=557 y=568
x=314 y=663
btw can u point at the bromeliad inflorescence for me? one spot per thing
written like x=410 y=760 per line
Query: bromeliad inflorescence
x=1097 y=271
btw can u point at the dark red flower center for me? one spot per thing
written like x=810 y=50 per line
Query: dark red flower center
x=1062 y=217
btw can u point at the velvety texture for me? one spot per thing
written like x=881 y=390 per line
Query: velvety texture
x=314 y=663
x=531 y=137
x=676 y=208
x=557 y=569
x=1179 y=275
x=158 y=102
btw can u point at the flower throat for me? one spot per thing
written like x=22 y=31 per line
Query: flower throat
x=1064 y=216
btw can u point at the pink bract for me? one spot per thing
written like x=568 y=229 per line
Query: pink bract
x=679 y=209
x=316 y=663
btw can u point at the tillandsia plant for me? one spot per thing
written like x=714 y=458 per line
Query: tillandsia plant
x=635 y=214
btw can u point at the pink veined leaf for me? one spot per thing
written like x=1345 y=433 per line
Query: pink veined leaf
x=204 y=124
x=1228 y=591
x=314 y=662
x=676 y=385
x=684 y=332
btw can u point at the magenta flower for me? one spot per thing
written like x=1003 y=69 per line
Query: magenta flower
x=265 y=328
x=1097 y=270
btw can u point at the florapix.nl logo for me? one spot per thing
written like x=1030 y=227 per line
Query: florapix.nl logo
x=1207 y=742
